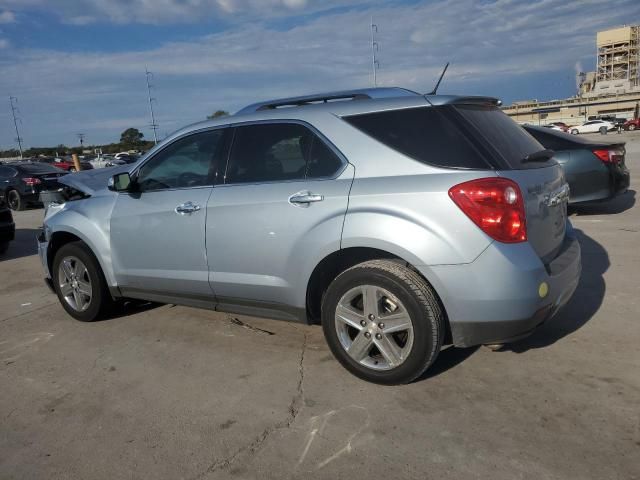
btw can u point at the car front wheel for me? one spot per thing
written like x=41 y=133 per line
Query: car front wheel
x=574 y=131
x=383 y=322
x=632 y=127
x=80 y=284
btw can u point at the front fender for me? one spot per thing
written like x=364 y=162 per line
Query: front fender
x=89 y=220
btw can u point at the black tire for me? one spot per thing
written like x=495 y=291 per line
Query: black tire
x=419 y=301
x=72 y=170
x=101 y=304
x=603 y=130
x=574 y=131
x=4 y=246
x=14 y=200
x=632 y=127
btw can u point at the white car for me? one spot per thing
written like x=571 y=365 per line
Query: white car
x=592 y=126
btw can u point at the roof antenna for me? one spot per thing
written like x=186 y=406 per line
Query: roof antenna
x=435 y=89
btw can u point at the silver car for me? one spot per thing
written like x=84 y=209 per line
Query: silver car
x=399 y=222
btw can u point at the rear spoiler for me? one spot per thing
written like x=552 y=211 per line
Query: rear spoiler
x=464 y=100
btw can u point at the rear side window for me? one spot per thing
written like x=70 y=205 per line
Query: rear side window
x=7 y=172
x=426 y=134
x=503 y=135
x=272 y=152
x=322 y=162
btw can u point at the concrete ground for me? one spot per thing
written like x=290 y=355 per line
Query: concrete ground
x=178 y=393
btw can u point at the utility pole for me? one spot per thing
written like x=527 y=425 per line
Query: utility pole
x=375 y=65
x=14 y=109
x=154 y=125
x=81 y=137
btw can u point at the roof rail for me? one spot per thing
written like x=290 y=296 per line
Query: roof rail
x=363 y=94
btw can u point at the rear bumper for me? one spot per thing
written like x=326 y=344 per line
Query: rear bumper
x=500 y=296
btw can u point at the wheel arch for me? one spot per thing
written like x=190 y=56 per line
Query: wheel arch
x=337 y=262
x=59 y=238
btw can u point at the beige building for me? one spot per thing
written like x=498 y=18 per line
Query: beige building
x=612 y=90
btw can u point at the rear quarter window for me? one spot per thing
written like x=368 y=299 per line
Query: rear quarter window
x=426 y=134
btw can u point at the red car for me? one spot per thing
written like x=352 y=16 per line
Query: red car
x=562 y=125
x=66 y=164
x=632 y=124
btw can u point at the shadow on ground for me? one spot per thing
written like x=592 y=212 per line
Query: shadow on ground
x=616 y=205
x=584 y=304
x=24 y=245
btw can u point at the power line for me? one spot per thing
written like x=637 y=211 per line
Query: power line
x=154 y=125
x=14 y=109
x=375 y=65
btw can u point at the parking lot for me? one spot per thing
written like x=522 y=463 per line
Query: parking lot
x=169 y=392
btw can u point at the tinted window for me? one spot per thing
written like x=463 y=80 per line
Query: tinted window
x=322 y=161
x=189 y=162
x=7 y=172
x=37 y=168
x=504 y=136
x=426 y=134
x=269 y=152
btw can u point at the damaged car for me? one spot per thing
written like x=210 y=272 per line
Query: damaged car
x=398 y=221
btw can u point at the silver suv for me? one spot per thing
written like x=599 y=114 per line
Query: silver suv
x=397 y=221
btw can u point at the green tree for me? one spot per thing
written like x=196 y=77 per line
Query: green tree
x=218 y=113
x=131 y=137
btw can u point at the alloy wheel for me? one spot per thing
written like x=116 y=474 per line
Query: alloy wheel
x=75 y=283
x=374 y=327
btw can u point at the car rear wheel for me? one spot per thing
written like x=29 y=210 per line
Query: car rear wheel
x=80 y=284
x=603 y=130
x=632 y=127
x=383 y=322
x=574 y=131
x=14 y=200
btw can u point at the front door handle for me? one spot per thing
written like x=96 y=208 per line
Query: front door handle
x=187 y=207
x=304 y=199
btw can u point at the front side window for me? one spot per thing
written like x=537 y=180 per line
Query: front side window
x=191 y=161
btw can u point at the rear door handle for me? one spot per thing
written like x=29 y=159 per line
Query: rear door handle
x=187 y=207
x=304 y=199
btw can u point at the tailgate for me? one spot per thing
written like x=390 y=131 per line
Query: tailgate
x=545 y=194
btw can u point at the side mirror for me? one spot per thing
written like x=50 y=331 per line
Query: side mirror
x=120 y=182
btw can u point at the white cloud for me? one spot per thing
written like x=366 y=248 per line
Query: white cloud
x=7 y=16
x=502 y=41
x=173 y=11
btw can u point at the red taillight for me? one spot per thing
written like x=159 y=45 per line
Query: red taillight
x=495 y=205
x=31 y=181
x=609 y=155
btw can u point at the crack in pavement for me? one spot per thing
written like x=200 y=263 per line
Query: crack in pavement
x=293 y=410
x=240 y=323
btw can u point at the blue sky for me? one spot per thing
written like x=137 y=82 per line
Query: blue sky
x=78 y=65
